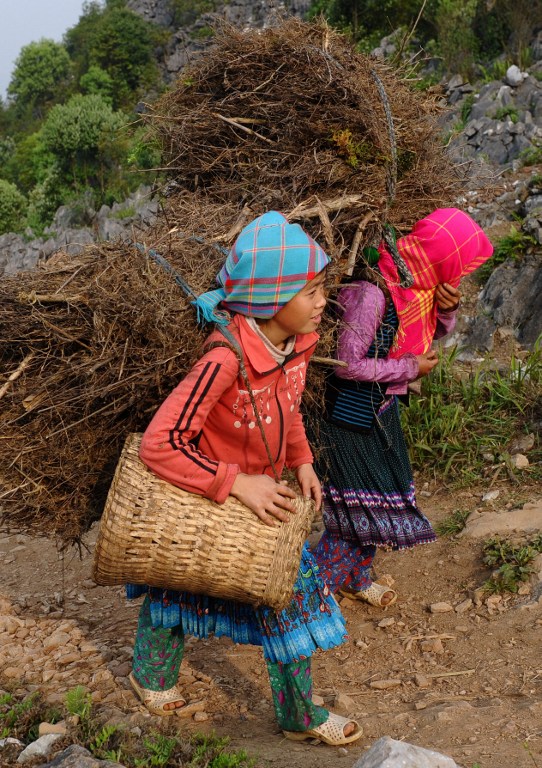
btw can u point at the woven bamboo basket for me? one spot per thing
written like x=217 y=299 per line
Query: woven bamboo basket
x=152 y=532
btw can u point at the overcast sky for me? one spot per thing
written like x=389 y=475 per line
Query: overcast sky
x=27 y=21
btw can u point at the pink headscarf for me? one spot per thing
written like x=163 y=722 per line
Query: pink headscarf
x=442 y=248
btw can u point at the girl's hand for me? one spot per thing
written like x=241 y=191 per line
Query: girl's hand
x=309 y=483
x=266 y=498
x=446 y=297
x=426 y=362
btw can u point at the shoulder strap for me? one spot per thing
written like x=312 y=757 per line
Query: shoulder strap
x=232 y=343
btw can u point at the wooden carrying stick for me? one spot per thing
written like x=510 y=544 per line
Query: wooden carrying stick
x=15 y=375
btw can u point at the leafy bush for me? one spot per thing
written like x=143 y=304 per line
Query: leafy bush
x=373 y=19
x=531 y=156
x=511 y=562
x=98 y=82
x=7 y=148
x=20 y=716
x=13 y=206
x=44 y=200
x=503 y=112
x=118 y=42
x=144 y=152
x=456 y=39
x=82 y=136
x=511 y=246
x=466 y=107
x=40 y=70
x=495 y=71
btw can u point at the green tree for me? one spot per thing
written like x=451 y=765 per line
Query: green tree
x=118 y=42
x=41 y=71
x=28 y=163
x=7 y=150
x=509 y=26
x=45 y=198
x=457 y=42
x=82 y=136
x=13 y=206
x=97 y=81
x=374 y=19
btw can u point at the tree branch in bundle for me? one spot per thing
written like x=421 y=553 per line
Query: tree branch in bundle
x=328 y=361
x=15 y=375
x=55 y=298
x=306 y=211
x=241 y=127
x=356 y=242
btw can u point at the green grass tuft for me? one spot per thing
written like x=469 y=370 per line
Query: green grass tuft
x=462 y=415
x=511 y=562
x=453 y=523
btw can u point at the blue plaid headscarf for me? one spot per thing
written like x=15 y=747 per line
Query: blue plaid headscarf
x=270 y=262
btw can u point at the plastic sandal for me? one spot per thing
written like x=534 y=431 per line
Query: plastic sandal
x=331 y=732
x=156 y=700
x=372 y=595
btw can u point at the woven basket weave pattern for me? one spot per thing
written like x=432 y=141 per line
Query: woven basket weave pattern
x=152 y=532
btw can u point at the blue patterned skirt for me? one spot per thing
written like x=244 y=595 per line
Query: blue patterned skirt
x=369 y=496
x=312 y=620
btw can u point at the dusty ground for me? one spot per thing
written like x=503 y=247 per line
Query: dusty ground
x=467 y=683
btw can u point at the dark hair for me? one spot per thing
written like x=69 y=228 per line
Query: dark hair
x=371 y=274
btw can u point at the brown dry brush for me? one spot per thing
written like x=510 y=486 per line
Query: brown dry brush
x=291 y=118
x=288 y=119
x=90 y=346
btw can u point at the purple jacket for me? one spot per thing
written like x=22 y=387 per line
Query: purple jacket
x=363 y=307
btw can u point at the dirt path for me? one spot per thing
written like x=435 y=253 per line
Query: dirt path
x=467 y=682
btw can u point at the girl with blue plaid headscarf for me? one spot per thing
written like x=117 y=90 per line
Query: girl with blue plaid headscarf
x=204 y=438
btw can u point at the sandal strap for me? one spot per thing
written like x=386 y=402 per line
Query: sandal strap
x=376 y=592
x=156 y=700
x=332 y=730
x=159 y=698
x=373 y=594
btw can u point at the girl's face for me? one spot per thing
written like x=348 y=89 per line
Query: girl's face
x=302 y=314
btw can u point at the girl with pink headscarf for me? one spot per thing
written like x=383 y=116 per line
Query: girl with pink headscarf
x=385 y=339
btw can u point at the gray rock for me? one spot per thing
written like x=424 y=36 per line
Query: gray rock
x=514 y=76
x=504 y=96
x=536 y=46
x=389 y=753
x=478 y=337
x=40 y=748
x=482 y=107
x=454 y=82
x=533 y=203
x=511 y=297
x=497 y=522
x=78 y=757
x=18 y=253
x=495 y=149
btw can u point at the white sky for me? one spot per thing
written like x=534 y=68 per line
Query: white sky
x=27 y=21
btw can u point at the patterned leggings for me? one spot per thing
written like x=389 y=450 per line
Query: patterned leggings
x=158 y=653
x=343 y=563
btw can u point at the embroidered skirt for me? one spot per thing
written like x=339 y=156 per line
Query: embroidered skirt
x=369 y=496
x=312 y=620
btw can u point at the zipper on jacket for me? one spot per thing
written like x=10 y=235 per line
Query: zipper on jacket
x=281 y=415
